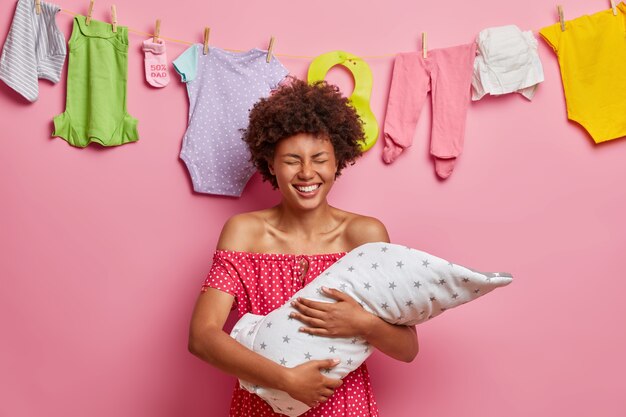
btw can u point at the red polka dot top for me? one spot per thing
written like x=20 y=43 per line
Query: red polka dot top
x=262 y=282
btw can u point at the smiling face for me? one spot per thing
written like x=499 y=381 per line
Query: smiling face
x=305 y=167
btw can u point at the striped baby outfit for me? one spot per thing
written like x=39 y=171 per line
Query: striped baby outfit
x=34 y=48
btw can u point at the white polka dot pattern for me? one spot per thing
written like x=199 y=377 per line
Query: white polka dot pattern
x=221 y=94
x=261 y=283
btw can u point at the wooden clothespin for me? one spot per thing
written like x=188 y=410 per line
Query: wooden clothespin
x=424 y=47
x=613 y=7
x=270 y=50
x=559 y=9
x=157 y=31
x=207 y=31
x=38 y=6
x=561 y=19
x=90 y=12
x=114 y=18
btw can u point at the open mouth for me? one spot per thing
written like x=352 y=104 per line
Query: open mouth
x=307 y=188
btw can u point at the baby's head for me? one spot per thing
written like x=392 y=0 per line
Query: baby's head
x=296 y=107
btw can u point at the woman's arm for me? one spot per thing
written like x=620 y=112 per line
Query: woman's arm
x=398 y=342
x=209 y=342
x=346 y=318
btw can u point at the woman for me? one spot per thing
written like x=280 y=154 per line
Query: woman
x=300 y=139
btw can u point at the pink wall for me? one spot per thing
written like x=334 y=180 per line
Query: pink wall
x=103 y=250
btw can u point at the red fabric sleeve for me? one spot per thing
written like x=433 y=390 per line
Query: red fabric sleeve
x=223 y=276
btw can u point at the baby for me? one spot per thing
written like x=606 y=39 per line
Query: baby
x=398 y=284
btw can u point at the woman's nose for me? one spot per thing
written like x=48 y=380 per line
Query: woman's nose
x=306 y=170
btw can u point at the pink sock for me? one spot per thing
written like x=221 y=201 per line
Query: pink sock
x=155 y=60
x=444 y=167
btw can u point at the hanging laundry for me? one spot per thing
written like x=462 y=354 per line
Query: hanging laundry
x=360 y=97
x=34 y=49
x=96 y=87
x=447 y=74
x=507 y=61
x=155 y=62
x=592 y=58
x=222 y=87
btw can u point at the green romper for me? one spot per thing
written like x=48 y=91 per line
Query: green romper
x=95 y=109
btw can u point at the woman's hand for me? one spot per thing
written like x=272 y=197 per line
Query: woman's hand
x=306 y=383
x=345 y=318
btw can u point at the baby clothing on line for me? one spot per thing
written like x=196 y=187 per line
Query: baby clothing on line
x=592 y=58
x=507 y=61
x=34 y=48
x=447 y=74
x=222 y=87
x=96 y=87
x=155 y=62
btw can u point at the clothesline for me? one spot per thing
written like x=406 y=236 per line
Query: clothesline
x=183 y=42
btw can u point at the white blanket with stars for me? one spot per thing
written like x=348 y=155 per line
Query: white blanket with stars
x=398 y=284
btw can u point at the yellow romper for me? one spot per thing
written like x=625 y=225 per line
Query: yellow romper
x=592 y=57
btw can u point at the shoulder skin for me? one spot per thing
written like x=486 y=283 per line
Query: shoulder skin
x=364 y=229
x=240 y=231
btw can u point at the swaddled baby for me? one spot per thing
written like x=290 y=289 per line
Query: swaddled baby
x=398 y=284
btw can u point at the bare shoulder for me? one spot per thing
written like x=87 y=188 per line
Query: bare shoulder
x=364 y=229
x=240 y=230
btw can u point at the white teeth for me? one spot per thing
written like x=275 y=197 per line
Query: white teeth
x=308 y=188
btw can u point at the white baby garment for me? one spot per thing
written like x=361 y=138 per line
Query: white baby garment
x=507 y=61
x=34 y=48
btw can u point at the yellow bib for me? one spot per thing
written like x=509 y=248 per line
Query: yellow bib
x=360 y=98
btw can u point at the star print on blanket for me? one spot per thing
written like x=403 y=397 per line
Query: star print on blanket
x=399 y=284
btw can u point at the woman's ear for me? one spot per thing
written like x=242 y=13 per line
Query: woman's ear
x=270 y=166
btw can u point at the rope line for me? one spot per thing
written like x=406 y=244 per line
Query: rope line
x=183 y=42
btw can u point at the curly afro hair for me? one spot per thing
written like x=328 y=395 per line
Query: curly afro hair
x=298 y=107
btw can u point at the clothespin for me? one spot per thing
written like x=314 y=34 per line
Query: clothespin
x=424 y=49
x=38 y=6
x=157 y=31
x=561 y=19
x=114 y=18
x=207 y=31
x=613 y=7
x=268 y=59
x=90 y=12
